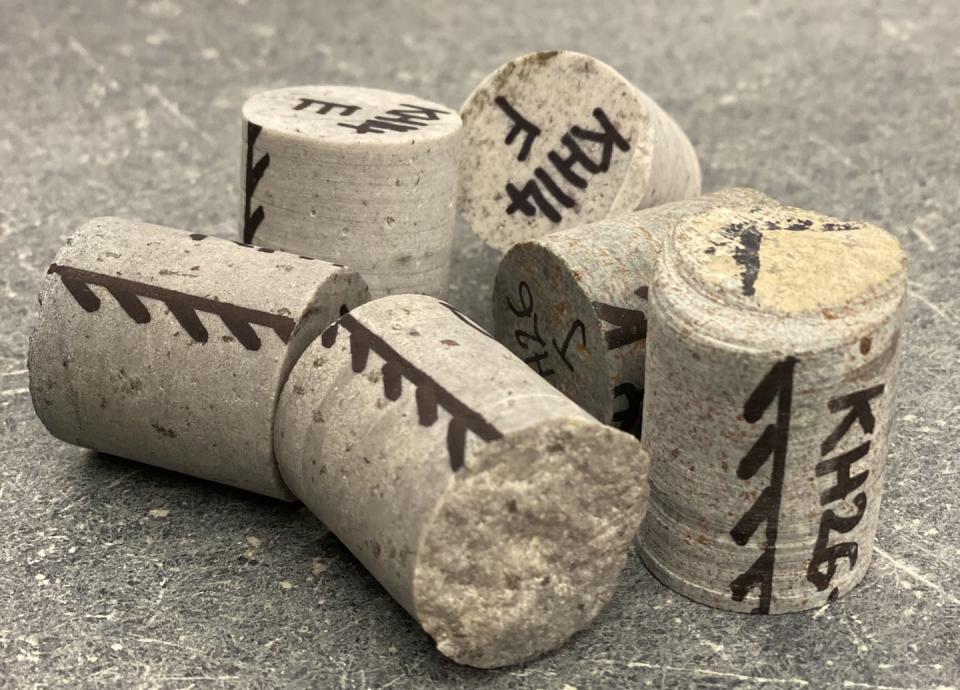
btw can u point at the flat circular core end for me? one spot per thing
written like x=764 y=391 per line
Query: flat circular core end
x=784 y=260
x=525 y=547
x=349 y=115
x=549 y=140
x=543 y=316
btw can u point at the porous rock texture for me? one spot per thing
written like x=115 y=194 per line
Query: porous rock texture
x=358 y=176
x=170 y=348
x=496 y=511
x=557 y=139
x=573 y=304
x=771 y=373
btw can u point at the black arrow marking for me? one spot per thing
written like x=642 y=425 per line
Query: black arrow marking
x=429 y=393
x=631 y=324
x=239 y=320
x=251 y=221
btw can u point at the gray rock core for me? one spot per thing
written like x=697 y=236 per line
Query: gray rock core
x=497 y=512
x=772 y=363
x=170 y=348
x=573 y=304
x=557 y=139
x=358 y=176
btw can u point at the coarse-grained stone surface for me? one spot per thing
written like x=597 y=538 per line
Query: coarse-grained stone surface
x=557 y=139
x=170 y=347
x=493 y=509
x=118 y=573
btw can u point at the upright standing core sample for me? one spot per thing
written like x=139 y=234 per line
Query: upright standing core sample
x=771 y=365
x=171 y=348
x=558 y=139
x=573 y=304
x=362 y=177
x=496 y=511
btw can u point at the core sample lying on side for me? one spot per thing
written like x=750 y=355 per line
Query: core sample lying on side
x=170 y=348
x=496 y=511
x=557 y=139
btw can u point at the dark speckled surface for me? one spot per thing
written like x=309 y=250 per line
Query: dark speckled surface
x=114 y=573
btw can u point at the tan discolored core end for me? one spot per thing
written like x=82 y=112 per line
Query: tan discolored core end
x=526 y=546
x=785 y=260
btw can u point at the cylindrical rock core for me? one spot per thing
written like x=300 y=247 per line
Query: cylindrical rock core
x=573 y=304
x=496 y=511
x=170 y=348
x=771 y=366
x=558 y=139
x=363 y=177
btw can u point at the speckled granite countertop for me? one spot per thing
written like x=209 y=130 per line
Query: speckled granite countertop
x=116 y=573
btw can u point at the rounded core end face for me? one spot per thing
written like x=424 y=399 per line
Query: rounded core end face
x=349 y=115
x=549 y=139
x=543 y=316
x=786 y=261
x=526 y=546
